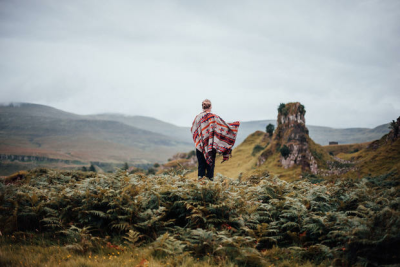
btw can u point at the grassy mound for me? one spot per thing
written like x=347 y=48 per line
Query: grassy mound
x=175 y=220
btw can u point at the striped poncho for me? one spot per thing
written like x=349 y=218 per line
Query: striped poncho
x=210 y=132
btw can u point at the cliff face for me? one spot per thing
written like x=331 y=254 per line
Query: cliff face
x=293 y=133
x=291 y=139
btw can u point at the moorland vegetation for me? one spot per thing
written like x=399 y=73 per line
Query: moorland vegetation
x=171 y=219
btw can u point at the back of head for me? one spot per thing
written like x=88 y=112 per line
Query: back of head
x=206 y=104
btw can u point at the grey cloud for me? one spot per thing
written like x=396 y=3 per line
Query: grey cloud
x=162 y=58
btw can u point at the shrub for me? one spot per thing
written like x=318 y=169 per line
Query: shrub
x=257 y=149
x=285 y=151
x=151 y=171
x=281 y=107
x=92 y=168
x=302 y=110
x=393 y=126
x=191 y=154
x=126 y=166
x=270 y=129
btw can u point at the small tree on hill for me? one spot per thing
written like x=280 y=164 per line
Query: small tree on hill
x=285 y=151
x=92 y=168
x=126 y=166
x=270 y=129
x=191 y=154
x=151 y=171
x=395 y=128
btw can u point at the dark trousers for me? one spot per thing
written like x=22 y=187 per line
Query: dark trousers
x=204 y=167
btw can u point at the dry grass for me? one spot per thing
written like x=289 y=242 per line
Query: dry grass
x=370 y=162
x=345 y=149
x=241 y=160
x=29 y=255
x=38 y=256
x=244 y=162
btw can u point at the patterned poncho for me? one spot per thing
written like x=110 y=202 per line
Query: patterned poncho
x=211 y=132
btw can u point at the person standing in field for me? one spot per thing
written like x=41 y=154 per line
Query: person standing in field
x=212 y=135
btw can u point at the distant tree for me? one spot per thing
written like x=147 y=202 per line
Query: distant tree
x=126 y=166
x=84 y=169
x=92 y=168
x=156 y=165
x=270 y=129
x=285 y=151
x=151 y=171
x=393 y=126
x=191 y=154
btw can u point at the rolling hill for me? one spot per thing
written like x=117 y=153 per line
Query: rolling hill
x=181 y=134
x=320 y=134
x=35 y=130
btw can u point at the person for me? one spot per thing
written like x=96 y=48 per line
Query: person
x=212 y=135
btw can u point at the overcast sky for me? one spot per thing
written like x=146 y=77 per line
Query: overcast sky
x=339 y=58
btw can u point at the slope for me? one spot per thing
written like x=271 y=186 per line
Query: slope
x=381 y=157
x=150 y=124
x=28 y=129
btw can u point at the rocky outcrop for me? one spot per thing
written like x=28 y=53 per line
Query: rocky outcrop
x=300 y=155
x=292 y=135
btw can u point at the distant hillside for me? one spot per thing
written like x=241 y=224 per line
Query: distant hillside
x=21 y=110
x=323 y=135
x=150 y=124
x=320 y=134
x=28 y=129
x=378 y=158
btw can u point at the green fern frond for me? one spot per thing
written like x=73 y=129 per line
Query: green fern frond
x=123 y=226
x=98 y=213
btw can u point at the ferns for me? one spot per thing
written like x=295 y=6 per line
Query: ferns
x=230 y=220
x=82 y=240
x=133 y=238
x=52 y=222
x=165 y=245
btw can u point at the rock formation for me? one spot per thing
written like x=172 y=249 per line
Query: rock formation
x=292 y=140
